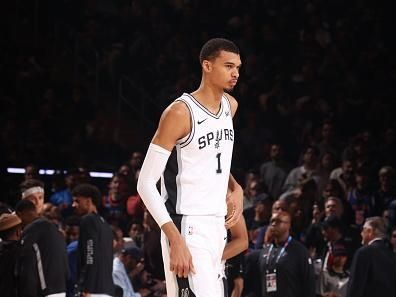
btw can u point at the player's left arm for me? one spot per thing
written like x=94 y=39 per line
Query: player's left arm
x=239 y=240
x=235 y=191
x=233 y=103
x=235 y=198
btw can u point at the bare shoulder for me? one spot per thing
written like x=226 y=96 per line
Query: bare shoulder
x=233 y=103
x=174 y=125
x=176 y=110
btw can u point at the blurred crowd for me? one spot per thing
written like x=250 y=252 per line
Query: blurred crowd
x=84 y=82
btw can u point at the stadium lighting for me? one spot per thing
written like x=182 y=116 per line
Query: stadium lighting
x=14 y=170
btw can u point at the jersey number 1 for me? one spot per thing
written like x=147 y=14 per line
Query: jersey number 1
x=218 y=170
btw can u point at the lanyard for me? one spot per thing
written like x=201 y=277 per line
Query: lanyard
x=280 y=253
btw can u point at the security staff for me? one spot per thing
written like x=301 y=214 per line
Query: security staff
x=284 y=265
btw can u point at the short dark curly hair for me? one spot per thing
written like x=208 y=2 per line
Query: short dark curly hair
x=88 y=191
x=212 y=48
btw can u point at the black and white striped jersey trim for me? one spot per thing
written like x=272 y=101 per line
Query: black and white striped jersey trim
x=216 y=116
x=192 y=120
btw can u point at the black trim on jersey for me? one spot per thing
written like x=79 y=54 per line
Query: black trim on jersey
x=170 y=173
x=216 y=116
x=192 y=120
x=225 y=287
x=177 y=220
x=183 y=285
x=229 y=104
x=184 y=289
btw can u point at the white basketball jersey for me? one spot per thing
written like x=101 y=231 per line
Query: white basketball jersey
x=195 y=179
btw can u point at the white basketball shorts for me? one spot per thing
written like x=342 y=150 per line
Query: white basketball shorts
x=205 y=237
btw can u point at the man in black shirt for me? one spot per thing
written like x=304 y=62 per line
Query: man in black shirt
x=373 y=265
x=95 y=250
x=42 y=269
x=285 y=269
x=10 y=233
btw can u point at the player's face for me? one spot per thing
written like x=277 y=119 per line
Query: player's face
x=81 y=205
x=38 y=201
x=225 y=70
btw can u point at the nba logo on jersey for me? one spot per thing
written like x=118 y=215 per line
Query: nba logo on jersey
x=190 y=230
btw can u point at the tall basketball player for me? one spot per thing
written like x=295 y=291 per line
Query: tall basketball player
x=191 y=152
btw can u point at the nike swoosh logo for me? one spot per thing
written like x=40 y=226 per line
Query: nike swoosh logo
x=200 y=122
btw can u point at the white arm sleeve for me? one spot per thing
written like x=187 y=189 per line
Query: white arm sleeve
x=151 y=171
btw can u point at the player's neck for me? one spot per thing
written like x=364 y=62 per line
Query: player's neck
x=208 y=96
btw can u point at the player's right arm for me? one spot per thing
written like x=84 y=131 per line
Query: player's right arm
x=174 y=125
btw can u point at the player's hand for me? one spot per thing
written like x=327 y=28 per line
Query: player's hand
x=236 y=199
x=180 y=259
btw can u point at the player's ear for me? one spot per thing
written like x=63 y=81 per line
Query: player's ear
x=206 y=66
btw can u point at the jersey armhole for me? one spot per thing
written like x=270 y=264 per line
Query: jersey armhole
x=187 y=139
x=228 y=102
